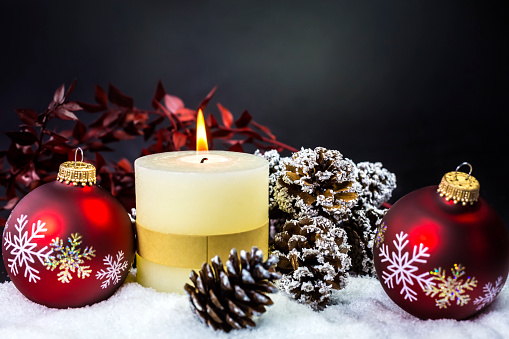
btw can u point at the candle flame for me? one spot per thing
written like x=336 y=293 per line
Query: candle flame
x=201 y=133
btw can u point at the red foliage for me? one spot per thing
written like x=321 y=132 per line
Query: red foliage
x=35 y=152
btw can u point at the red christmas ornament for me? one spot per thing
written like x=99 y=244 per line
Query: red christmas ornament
x=68 y=243
x=442 y=252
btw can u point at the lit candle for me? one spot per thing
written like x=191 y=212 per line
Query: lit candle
x=193 y=205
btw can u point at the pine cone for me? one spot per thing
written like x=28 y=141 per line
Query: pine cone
x=229 y=300
x=275 y=226
x=313 y=259
x=275 y=170
x=317 y=182
x=377 y=184
x=361 y=229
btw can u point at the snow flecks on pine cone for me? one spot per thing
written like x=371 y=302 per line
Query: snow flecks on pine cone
x=361 y=229
x=317 y=182
x=313 y=260
x=377 y=183
x=229 y=299
x=275 y=170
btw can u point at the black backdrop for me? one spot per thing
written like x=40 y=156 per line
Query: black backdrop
x=419 y=85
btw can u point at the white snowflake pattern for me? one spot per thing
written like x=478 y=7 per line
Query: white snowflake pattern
x=490 y=292
x=114 y=269
x=402 y=268
x=24 y=249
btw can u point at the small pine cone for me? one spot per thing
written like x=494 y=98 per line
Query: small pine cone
x=361 y=229
x=317 y=182
x=275 y=170
x=377 y=183
x=313 y=260
x=229 y=300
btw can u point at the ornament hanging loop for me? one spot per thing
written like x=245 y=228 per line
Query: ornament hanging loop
x=463 y=164
x=459 y=187
x=76 y=155
x=77 y=172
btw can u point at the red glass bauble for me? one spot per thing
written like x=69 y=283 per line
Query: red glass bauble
x=68 y=246
x=439 y=259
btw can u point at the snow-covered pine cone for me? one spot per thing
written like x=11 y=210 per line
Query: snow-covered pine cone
x=313 y=259
x=361 y=229
x=317 y=182
x=229 y=300
x=377 y=183
x=275 y=170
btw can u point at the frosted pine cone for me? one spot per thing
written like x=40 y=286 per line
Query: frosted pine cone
x=377 y=183
x=317 y=182
x=313 y=259
x=275 y=226
x=229 y=300
x=275 y=171
x=361 y=229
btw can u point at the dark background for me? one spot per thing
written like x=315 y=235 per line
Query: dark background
x=419 y=85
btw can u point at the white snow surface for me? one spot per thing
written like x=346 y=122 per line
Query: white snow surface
x=361 y=310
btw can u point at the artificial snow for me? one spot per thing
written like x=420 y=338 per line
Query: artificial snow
x=361 y=310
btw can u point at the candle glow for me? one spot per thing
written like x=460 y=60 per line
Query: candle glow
x=201 y=133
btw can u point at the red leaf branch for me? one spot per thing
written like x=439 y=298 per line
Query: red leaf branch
x=35 y=152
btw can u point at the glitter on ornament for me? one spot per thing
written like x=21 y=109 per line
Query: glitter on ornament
x=380 y=234
x=402 y=268
x=70 y=259
x=114 y=269
x=23 y=248
x=450 y=288
x=490 y=292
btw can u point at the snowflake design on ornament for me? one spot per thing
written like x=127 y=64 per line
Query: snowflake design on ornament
x=490 y=292
x=114 y=269
x=402 y=269
x=70 y=259
x=380 y=234
x=24 y=249
x=450 y=288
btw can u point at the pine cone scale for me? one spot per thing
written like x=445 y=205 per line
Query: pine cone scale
x=294 y=261
x=261 y=298
x=247 y=278
x=267 y=287
x=215 y=301
x=194 y=299
x=346 y=196
x=214 y=315
x=225 y=282
x=241 y=295
x=234 y=324
x=237 y=309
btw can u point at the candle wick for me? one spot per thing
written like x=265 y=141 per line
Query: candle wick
x=203 y=160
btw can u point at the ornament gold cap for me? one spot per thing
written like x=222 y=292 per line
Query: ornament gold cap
x=77 y=172
x=459 y=186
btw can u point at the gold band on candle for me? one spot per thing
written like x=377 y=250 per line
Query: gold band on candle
x=179 y=250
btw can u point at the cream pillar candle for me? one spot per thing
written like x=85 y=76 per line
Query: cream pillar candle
x=188 y=208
